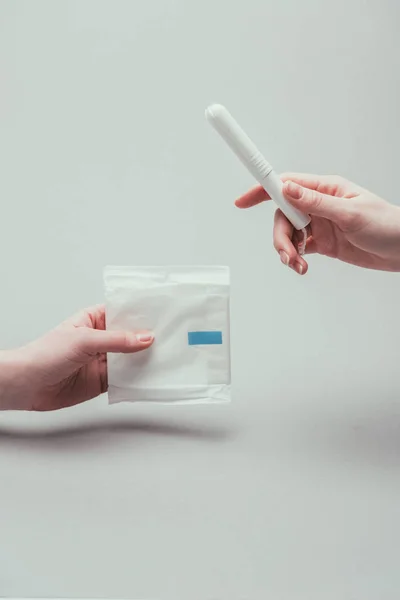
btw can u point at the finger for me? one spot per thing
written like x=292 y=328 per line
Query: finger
x=283 y=244
x=315 y=203
x=298 y=240
x=253 y=197
x=311 y=246
x=283 y=232
x=93 y=316
x=95 y=341
x=312 y=182
x=333 y=185
x=323 y=183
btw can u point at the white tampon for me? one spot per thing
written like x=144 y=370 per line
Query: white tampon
x=252 y=158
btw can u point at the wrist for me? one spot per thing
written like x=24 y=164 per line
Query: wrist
x=395 y=223
x=13 y=391
x=380 y=238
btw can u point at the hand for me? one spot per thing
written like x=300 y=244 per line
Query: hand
x=65 y=367
x=348 y=223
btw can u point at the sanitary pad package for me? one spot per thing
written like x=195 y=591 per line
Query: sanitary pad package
x=187 y=310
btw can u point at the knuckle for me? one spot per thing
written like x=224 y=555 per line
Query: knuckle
x=277 y=229
x=314 y=199
x=338 y=179
x=125 y=340
x=278 y=217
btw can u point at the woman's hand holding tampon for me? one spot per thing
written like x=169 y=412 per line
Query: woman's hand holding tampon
x=347 y=222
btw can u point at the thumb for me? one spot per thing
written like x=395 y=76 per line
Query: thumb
x=315 y=203
x=96 y=341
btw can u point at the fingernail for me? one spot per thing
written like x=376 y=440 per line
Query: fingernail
x=298 y=268
x=145 y=338
x=293 y=190
x=284 y=257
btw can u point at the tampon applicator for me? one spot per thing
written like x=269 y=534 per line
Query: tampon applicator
x=259 y=167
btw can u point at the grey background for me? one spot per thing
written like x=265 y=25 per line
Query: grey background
x=293 y=490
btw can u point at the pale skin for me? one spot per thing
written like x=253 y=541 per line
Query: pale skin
x=348 y=223
x=66 y=366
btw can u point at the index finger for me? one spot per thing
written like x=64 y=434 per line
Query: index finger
x=253 y=197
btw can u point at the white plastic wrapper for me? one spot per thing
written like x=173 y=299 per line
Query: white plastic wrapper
x=187 y=309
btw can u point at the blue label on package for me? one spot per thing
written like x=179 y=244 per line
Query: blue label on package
x=205 y=338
